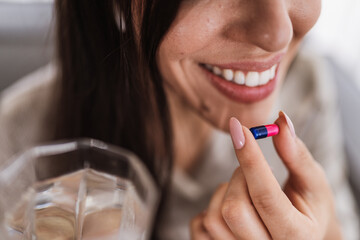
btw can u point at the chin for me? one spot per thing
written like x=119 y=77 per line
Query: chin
x=249 y=115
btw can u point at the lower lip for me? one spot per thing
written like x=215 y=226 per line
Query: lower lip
x=242 y=93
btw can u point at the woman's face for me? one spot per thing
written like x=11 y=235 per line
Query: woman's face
x=229 y=58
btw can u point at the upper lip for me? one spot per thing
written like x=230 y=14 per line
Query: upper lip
x=251 y=65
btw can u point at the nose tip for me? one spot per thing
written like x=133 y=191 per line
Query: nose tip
x=270 y=34
x=267 y=25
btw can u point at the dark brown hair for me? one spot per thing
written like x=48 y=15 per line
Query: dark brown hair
x=110 y=87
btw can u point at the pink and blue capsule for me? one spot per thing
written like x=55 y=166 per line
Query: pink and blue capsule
x=265 y=131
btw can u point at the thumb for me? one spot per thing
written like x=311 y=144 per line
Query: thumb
x=296 y=157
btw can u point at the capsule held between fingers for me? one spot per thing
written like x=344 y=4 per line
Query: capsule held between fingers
x=265 y=131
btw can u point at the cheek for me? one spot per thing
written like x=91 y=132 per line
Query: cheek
x=191 y=32
x=183 y=46
x=304 y=14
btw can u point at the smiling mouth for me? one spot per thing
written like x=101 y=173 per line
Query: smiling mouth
x=242 y=86
x=249 y=78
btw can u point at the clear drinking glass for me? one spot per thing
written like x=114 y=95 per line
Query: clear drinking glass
x=83 y=189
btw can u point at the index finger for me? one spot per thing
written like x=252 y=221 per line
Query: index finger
x=266 y=194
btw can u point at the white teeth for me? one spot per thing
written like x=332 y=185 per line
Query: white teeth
x=264 y=77
x=239 y=77
x=228 y=74
x=251 y=79
x=272 y=70
x=217 y=71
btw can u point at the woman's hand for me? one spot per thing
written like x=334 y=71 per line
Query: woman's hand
x=253 y=205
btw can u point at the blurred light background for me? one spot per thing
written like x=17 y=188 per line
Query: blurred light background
x=337 y=34
x=26 y=39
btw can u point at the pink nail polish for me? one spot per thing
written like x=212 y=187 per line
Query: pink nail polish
x=290 y=125
x=237 y=133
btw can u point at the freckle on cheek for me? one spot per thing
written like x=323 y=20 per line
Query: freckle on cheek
x=204 y=108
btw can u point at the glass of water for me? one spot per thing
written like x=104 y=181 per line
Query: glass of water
x=84 y=189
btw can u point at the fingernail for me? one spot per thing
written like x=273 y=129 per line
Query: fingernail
x=290 y=124
x=237 y=133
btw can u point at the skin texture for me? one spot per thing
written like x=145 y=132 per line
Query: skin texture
x=252 y=205
x=220 y=32
x=227 y=31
